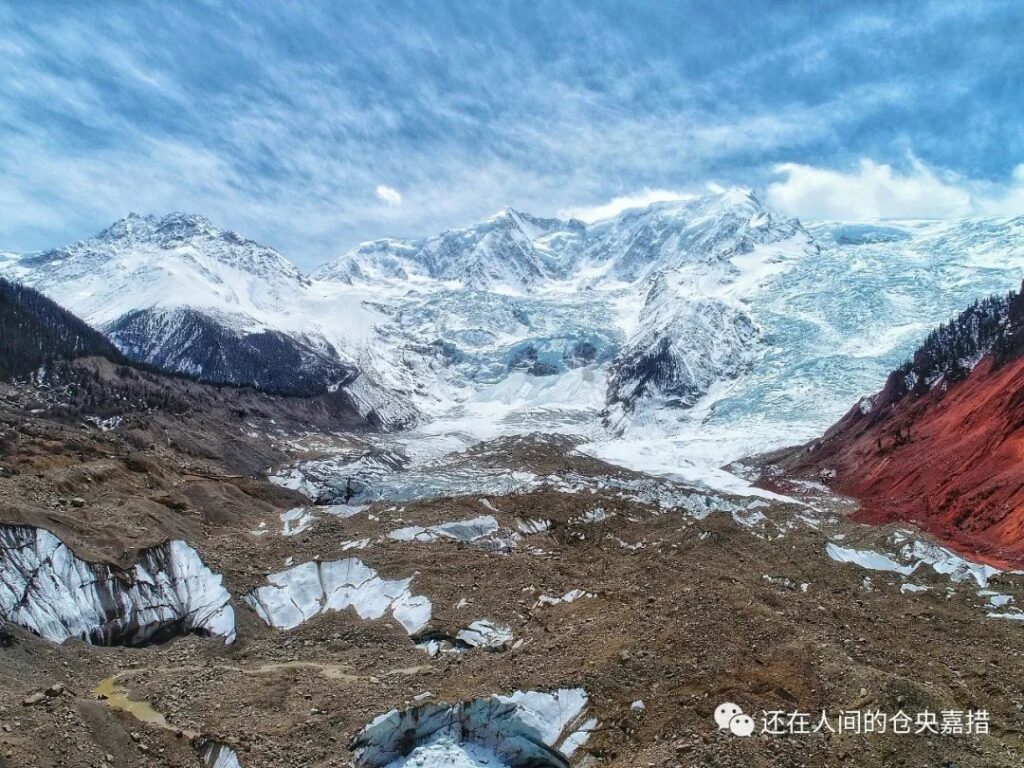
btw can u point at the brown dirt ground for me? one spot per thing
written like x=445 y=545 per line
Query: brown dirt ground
x=684 y=623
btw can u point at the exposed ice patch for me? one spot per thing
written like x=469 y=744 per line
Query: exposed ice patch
x=528 y=729
x=298 y=594
x=869 y=559
x=487 y=635
x=461 y=530
x=296 y=520
x=529 y=526
x=47 y=589
x=482 y=531
x=996 y=600
x=1011 y=615
x=217 y=755
x=910 y=588
x=914 y=554
x=354 y=544
x=595 y=515
x=446 y=752
x=948 y=563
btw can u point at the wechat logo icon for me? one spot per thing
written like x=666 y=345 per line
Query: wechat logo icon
x=729 y=717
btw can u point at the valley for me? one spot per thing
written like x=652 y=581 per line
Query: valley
x=502 y=497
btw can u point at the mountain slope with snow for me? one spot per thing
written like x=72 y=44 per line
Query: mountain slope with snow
x=650 y=302
x=677 y=337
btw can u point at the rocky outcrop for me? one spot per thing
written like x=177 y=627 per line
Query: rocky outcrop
x=207 y=346
x=46 y=588
x=680 y=347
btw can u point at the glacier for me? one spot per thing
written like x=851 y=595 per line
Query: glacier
x=47 y=589
x=674 y=338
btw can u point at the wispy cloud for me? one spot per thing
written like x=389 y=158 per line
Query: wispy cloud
x=389 y=195
x=281 y=120
x=617 y=205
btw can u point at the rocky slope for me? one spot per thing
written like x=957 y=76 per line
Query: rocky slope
x=940 y=444
x=180 y=294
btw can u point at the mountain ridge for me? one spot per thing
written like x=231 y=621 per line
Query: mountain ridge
x=157 y=286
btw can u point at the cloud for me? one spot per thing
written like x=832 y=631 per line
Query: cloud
x=313 y=106
x=389 y=195
x=619 y=204
x=876 y=190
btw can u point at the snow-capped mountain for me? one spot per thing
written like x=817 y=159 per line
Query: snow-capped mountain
x=181 y=294
x=654 y=300
x=180 y=260
x=699 y=331
x=833 y=323
x=651 y=301
x=511 y=250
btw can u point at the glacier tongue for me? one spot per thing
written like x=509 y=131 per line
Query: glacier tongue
x=45 y=588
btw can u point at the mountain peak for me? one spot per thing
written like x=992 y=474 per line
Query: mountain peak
x=176 y=225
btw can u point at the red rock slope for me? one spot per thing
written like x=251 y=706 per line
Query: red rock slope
x=942 y=445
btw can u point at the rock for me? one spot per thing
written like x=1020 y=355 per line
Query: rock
x=33 y=699
x=78 y=501
x=55 y=690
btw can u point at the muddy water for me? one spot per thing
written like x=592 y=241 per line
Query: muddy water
x=116 y=697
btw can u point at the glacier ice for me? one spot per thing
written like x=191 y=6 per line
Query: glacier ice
x=47 y=589
x=527 y=729
x=297 y=594
x=217 y=755
x=487 y=635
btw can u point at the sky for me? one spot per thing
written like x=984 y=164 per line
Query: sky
x=312 y=127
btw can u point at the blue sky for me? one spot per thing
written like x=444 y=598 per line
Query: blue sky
x=312 y=127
